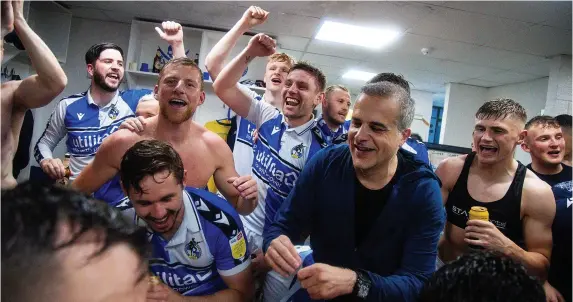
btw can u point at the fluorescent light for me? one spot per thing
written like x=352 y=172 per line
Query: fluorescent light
x=358 y=75
x=356 y=35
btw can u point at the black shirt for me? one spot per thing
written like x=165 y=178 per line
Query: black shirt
x=369 y=204
x=553 y=179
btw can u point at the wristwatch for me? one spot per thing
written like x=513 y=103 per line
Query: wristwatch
x=362 y=285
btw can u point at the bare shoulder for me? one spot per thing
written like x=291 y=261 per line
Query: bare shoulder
x=8 y=89
x=120 y=141
x=450 y=168
x=537 y=196
x=214 y=142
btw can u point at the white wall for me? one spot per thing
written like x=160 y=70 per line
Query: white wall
x=460 y=105
x=531 y=95
x=559 y=87
x=424 y=102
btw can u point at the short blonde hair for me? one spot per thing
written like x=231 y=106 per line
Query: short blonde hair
x=282 y=57
x=331 y=89
x=147 y=97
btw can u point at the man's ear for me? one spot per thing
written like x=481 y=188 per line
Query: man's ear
x=184 y=181
x=319 y=99
x=405 y=135
x=522 y=137
x=90 y=69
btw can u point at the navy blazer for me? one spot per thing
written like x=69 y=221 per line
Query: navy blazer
x=399 y=253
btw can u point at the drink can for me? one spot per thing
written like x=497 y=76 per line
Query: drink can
x=479 y=213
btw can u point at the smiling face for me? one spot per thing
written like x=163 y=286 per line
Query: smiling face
x=301 y=94
x=373 y=136
x=107 y=71
x=545 y=143
x=275 y=75
x=179 y=92
x=160 y=202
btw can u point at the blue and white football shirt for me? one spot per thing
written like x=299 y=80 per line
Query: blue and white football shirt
x=86 y=125
x=210 y=243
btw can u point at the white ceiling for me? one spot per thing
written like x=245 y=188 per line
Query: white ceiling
x=478 y=43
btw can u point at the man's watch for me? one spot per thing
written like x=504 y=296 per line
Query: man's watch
x=362 y=285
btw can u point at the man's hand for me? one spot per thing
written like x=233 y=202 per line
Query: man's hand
x=134 y=124
x=551 y=294
x=18 y=8
x=161 y=293
x=53 y=167
x=7 y=18
x=254 y=16
x=325 y=282
x=246 y=186
x=260 y=45
x=485 y=234
x=282 y=256
x=172 y=32
x=258 y=264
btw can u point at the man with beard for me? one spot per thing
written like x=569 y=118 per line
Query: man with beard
x=89 y=117
x=335 y=107
x=286 y=141
x=521 y=207
x=179 y=91
x=33 y=92
x=198 y=243
x=545 y=143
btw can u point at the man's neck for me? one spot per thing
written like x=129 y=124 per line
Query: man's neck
x=274 y=98
x=293 y=123
x=378 y=177
x=172 y=132
x=333 y=126
x=545 y=168
x=100 y=96
x=493 y=170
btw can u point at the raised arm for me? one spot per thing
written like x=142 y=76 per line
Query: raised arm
x=105 y=164
x=172 y=33
x=226 y=85
x=39 y=89
x=216 y=58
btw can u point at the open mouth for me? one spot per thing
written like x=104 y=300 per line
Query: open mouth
x=487 y=149
x=160 y=223
x=292 y=102
x=554 y=152
x=363 y=149
x=177 y=103
x=113 y=76
x=276 y=81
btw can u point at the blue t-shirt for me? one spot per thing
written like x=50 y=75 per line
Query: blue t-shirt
x=210 y=243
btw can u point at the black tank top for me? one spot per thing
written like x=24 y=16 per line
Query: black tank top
x=505 y=213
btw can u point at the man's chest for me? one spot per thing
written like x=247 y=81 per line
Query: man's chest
x=485 y=190
x=199 y=163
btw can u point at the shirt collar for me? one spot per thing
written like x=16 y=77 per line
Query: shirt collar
x=300 y=130
x=91 y=100
x=190 y=221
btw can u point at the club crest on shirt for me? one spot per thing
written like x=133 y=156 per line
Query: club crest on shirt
x=238 y=246
x=297 y=151
x=192 y=249
x=113 y=112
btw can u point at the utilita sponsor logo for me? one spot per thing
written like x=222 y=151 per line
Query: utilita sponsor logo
x=184 y=283
x=269 y=167
x=89 y=141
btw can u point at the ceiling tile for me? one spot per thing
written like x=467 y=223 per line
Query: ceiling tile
x=301 y=8
x=509 y=77
x=89 y=13
x=340 y=50
x=541 y=68
x=331 y=61
x=481 y=83
x=293 y=43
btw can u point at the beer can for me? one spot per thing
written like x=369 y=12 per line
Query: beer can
x=154 y=280
x=479 y=213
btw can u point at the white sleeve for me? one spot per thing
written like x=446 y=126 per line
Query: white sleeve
x=260 y=110
x=54 y=133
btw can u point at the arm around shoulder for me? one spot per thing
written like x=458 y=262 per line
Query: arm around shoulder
x=105 y=164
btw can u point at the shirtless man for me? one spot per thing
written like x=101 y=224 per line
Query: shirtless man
x=33 y=92
x=179 y=91
x=521 y=206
